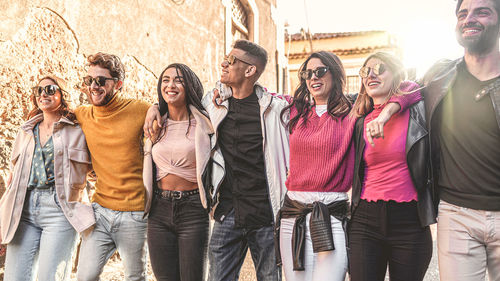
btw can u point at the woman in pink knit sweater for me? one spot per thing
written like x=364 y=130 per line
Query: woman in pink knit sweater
x=312 y=236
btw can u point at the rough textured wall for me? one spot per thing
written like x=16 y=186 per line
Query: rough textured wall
x=47 y=45
x=156 y=32
x=40 y=36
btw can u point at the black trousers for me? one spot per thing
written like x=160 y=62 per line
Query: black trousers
x=388 y=233
x=177 y=238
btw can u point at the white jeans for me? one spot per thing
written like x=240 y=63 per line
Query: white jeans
x=329 y=265
x=468 y=243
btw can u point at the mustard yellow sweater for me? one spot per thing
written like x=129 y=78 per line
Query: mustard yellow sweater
x=114 y=137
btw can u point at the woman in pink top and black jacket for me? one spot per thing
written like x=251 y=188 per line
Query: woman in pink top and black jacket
x=392 y=197
x=174 y=161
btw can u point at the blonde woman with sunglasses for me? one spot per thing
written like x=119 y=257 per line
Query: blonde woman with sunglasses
x=42 y=211
x=392 y=198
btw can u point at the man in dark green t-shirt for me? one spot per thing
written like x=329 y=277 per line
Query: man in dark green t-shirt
x=463 y=115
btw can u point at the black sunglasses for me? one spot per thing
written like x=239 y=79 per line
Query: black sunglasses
x=99 y=80
x=49 y=90
x=231 y=59
x=319 y=72
x=378 y=69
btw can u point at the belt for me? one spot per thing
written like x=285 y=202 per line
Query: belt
x=175 y=194
x=45 y=187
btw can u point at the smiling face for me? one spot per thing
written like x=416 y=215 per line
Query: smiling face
x=319 y=87
x=234 y=74
x=379 y=86
x=101 y=95
x=48 y=103
x=477 y=28
x=172 y=89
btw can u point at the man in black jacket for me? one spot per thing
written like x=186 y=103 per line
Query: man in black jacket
x=463 y=116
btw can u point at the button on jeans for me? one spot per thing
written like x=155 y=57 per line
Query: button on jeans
x=114 y=230
x=43 y=232
x=228 y=247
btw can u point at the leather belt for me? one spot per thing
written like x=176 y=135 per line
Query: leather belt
x=175 y=194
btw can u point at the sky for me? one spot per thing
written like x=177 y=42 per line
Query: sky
x=424 y=28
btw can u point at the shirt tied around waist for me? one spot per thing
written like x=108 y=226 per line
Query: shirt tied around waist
x=319 y=226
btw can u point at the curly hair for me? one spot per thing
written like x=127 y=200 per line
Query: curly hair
x=109 y=62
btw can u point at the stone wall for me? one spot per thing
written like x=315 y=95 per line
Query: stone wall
x=55 y=36
x=46 y=45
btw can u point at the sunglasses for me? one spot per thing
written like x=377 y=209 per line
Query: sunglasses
x=231 y=59
x=319 y=72
x=49 y=90
x=378 y=69
x=99 y=80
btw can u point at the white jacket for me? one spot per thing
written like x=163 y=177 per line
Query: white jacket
x=275 y=143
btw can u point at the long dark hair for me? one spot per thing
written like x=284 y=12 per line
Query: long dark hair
x=192 y=87
x=338 y=105
x=64 y=109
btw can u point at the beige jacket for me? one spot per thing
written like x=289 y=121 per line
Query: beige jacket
x=71 y=164
x=203 y=132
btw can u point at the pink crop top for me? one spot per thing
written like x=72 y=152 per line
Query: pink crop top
x=175 y=153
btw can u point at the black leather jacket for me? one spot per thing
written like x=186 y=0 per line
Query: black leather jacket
x=437 y=81
x=418 y=160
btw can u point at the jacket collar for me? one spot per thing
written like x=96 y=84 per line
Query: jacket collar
x=263 y=95
x=31 y=123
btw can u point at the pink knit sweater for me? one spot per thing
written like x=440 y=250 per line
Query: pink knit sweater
x=322 y=153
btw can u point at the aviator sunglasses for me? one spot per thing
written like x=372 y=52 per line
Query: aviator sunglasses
x=319 y=72
x=49 y=90
x=378 y=69
x=99 y=80
x=231 y=59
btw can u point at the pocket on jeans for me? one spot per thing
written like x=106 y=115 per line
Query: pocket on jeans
x=445 y=209
x=56 y=200
x=453 y=236
x=138 y=216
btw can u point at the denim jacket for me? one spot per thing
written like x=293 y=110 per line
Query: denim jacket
x=71 y=165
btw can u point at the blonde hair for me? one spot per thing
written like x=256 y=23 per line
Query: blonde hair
x=364 y=103
x=64 y=109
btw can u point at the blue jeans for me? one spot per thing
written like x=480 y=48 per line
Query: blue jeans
x=228 y=247
x=44 y=232
x=114 y=230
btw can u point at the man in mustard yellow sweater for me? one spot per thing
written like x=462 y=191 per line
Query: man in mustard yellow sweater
x=113 y=129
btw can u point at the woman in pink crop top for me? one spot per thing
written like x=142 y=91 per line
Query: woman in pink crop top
x=392 y=200
x=174 y=161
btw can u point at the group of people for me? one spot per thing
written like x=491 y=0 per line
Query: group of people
x=272 y=171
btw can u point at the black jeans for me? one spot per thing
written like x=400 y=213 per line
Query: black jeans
x=388 y=233
x=177 y=238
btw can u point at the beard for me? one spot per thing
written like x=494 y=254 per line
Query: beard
x=481 y=44
x=105 y=99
